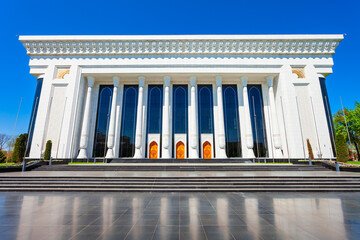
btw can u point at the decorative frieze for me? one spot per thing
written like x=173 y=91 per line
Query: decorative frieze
x=308 y=44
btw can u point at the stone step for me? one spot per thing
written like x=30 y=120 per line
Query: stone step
x=183 y=182
x=179 y=168
x=248 y=185
x=293 y=189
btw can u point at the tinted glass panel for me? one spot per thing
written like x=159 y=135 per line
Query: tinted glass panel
x=180 y=109
x=257 y=120
x=128 y=121
x=231 y=119
x=328 y=113
x=205 y=104
x=34 y=113
x=102 y=121
x=155 y=99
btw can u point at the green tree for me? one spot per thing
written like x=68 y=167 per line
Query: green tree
x=311 y=154
x=20 y=147
x=342 y=153
x=47 y=153
x=2 y=157
x=353 y=124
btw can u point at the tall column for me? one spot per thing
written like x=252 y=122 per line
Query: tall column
x=193 y=128
x=110 y=142
x=166 y=119
x=220 y=138
x=139 y=120
x=248 y=133
x=274 y=120
x=86 y=121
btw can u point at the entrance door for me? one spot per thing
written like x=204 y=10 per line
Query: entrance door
x=153 y=150
x=180 y=150
x=207 y=150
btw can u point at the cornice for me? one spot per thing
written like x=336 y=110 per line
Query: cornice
x=207 y=45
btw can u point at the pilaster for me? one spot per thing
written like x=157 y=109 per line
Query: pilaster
x=42 y=113
x=193 y=121
x=166 y=144
x=111 y=133
x=139 y=140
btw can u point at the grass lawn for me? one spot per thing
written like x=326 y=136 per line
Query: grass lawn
x=6 y=165
x=353 y=162
x=79 y=163
x=274 y=163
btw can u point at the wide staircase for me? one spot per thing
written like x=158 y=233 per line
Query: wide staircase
x=181 y=165
x=184 y=183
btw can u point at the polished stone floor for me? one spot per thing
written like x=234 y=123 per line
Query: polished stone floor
x=179 y=216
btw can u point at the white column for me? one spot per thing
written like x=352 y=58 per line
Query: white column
x=110 y=142
x=166 y=120
x=139 y=120
x=193 y=128
x=86 y=121
x=249 y=137
x=274 y=120
x=220 y=137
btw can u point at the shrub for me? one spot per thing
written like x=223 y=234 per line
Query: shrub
x=342 y=152
x=2 y=157
x=311 y=154
x=20 y=148
x=47 y=153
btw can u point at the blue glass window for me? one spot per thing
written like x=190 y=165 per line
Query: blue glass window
x=328 y=113
x=102 y=120
x=205 y=105
x=257 y=120
x=128 y=121
x=180 y=109
x=231 y=119
x=154 y=118
x=34 y=113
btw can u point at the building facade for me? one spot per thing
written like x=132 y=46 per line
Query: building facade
x=186 y=96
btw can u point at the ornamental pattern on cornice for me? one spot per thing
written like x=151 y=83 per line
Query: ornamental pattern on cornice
x=181 y=47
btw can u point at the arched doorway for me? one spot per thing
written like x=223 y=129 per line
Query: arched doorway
x=180 y=150
x=153 y=153
x=207 y=150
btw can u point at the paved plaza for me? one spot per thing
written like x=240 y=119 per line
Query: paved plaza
x=179 y=216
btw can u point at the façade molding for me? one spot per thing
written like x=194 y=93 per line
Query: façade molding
x=235 y=45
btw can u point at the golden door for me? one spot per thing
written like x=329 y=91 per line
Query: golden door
x=153 y=150
x=206 y=150
x=180 y=150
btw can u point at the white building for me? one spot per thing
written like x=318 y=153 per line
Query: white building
x=186 y=96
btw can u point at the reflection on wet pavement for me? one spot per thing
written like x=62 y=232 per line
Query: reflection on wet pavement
x=179 y=216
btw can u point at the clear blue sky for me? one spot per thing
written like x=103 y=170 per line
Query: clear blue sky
x=171 y=17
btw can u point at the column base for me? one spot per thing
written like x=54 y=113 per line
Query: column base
x=193 y=153
x=221 y=153
x=250 y=153
x=165 y=153
x=278 y=153
x=138 y=153
x=82 y=153
x=109 y=153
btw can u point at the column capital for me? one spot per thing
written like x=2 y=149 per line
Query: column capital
x=116 y=81
x=270 y=80
x=167 y=81
x=193 y=81
x=91 y=81
x=218 y=81
x=244 y=81
x=141 y=81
